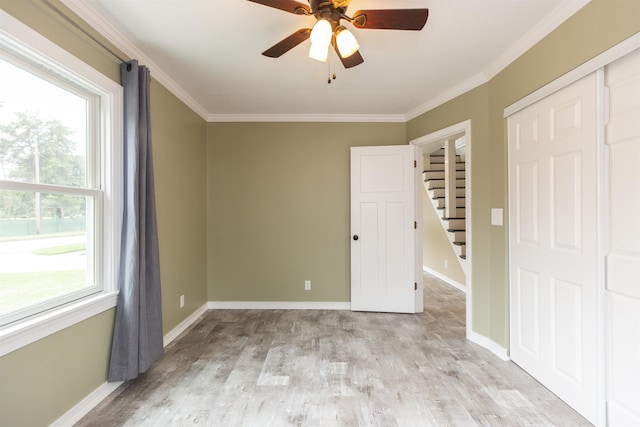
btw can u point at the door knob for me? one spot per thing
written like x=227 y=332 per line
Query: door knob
x=355 y=237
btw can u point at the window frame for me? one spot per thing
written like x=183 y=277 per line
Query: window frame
x=28 y=45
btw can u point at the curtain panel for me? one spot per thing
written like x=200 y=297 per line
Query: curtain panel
x=137 y=338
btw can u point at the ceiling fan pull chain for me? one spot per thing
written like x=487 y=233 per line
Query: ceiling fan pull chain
x=330 y=63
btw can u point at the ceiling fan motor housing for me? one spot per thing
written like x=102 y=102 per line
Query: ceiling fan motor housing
x=323 y=9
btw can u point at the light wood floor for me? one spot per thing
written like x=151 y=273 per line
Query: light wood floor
x=333 y=368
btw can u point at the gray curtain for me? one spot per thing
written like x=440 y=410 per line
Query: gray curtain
x=137 y=337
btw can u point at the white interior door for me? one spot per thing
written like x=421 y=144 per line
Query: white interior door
x=552 y=229
x=622 y=252
x=383 y=231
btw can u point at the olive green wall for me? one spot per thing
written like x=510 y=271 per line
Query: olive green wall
x=277 y=204
x=279 y=208
x=42 y=381
x=180 y=162
x=436 y=248
x=595 y=28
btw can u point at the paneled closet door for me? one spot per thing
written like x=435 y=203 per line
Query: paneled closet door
x=553 y=243
x=622 y=252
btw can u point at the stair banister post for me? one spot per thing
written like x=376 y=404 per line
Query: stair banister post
x=450 y=178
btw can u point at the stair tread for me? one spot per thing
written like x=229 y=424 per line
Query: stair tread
x=463 y=256
x=454 y=230
x=453 y=217
x=438 y=188
x=460 y=243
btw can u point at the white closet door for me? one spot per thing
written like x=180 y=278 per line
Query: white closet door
x=622 y=188
x=552 y=217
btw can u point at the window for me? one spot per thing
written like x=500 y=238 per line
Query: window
x=60 y=168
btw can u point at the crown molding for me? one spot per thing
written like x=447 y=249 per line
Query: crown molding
x=540 y=31
x=107 y=30
x=447 y=96
x=350 y=118
x=114 y=36
x=552 y=21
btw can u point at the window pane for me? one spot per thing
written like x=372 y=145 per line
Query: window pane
x=43 y=130
x=43 y=256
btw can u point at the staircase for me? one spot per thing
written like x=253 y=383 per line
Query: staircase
x=452 y=217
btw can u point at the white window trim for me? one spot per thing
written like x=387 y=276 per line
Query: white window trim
x=21 y=38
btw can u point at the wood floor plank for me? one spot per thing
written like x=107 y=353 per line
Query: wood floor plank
x=333 y=368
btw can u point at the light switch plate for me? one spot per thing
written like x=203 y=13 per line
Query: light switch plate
x=496 y=216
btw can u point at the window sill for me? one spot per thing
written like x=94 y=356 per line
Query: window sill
x=20 y=334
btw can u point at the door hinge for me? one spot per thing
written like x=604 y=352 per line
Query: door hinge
x=415 y=163
x=415 y=225
x=415 y=286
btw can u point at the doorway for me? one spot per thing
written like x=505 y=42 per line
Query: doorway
x=428 y=144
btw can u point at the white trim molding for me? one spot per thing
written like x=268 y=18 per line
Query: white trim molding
x=448 y=280
x=546 y=26
x=431 y=141
x=83 y=407
x=84 y=10
x=89 y=14
x=490 y=345
x=278 y=305
x=20 y=334
x=448 y=95
x=184 y=325
x=607 y=57
x=322 y=118
x=92 y=400
x=23 y=41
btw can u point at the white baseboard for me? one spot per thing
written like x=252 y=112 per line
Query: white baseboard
x=98 y=395
x=83 y=407
x=490 y=345
x=184 y=325
x=446 y=279
x=278 y=305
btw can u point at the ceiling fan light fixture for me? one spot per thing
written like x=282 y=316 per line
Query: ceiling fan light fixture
x=321 y=33
x=318 y=52
x=346 y=41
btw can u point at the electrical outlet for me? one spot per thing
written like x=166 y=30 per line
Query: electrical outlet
x=181 y=301
x=446 y=263
x=307 y=285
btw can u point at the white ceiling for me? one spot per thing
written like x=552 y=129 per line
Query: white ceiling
x=208 y=52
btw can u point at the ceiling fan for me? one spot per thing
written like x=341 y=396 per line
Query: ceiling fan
x=327 y=31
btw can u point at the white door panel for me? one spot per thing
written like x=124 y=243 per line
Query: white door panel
x=553 y=276
x=383 y=258
x=622 y=139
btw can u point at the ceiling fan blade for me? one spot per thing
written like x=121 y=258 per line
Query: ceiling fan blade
x=288 y=43
x=286 y=5
x=352 y=61
x=391 y=19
